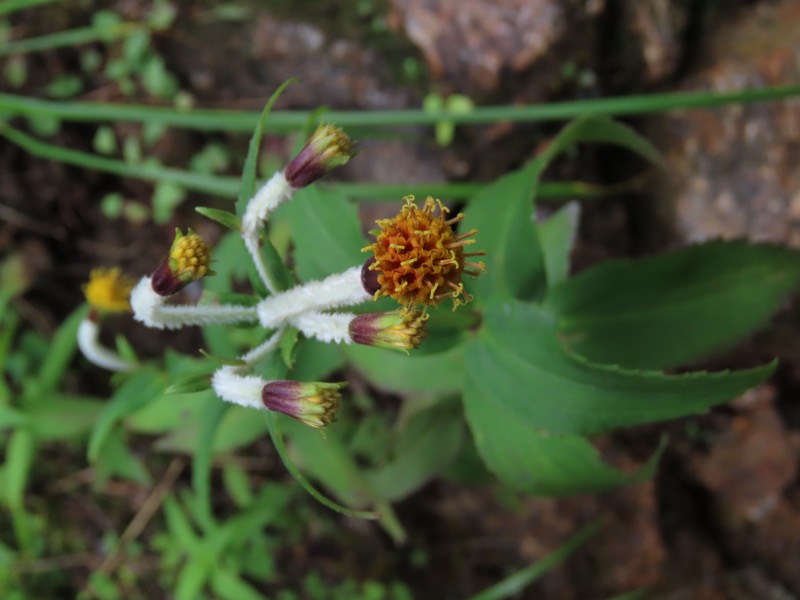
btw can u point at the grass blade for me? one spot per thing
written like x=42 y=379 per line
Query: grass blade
x=521 y=579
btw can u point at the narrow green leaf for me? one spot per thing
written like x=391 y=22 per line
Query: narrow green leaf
x=229 y=585
x=190 y=384
x=280 y=446
x=531 y=461
x=18 y=459
x=64 y=417
x=210 y=417
x=10 y=417
x=518 y=360
x=193 y=578
x=557 y=236
x=673 y=309
x=59 y=354
x=248 y=184
x=515 y=584
x=326 y=233
x=287 y=121
x=597 y=129
x=180 y=529
x=135 y=393
x=223 y=217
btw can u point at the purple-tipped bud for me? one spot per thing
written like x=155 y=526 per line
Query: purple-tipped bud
x=328 y=148
x=369 y=277
x=397 y=330
x=188 y=261
x=314 y=404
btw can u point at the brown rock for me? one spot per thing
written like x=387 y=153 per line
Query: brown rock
x=471 y=43
x=733 y=170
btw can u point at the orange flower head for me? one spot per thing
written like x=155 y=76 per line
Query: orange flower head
x=419 y=259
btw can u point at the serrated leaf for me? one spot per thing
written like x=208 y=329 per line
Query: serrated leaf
x=518 y=360
x=531 y=461
x=223 y=217
x=675 y=308
x=326 y=233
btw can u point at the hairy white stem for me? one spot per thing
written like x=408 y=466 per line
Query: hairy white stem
x=341 y=289
x=326 y=327
x=150 y=309
x=95 y=352
x=263 y=349
x=270 y=196
x=244 y=390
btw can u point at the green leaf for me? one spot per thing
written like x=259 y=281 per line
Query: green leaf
x=326 y=233
x=59 y=354
x=534 y=462
x=557 y=236
x=503 y=215
x=327 y=459
x=229 y=585
x=673 y=309
x=210 y=417
x=190 y=384
x=599 y=130
x=223 y=217
x=515 y=584
x=518 y=361
x=115 y=459
x=248 y=184
x=63 y=417
x=18 y=459
x=427 y=445
x=397 y=372
x=10 y=417
x=239 y=427
x=135 y=393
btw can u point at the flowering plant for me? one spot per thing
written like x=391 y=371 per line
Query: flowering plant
x=537 y=362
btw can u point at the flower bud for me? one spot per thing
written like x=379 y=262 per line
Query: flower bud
x=314 y=404
x=188 y=261
x=328 y=148
x=396 y=330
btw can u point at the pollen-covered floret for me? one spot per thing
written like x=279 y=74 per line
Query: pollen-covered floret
x=188 y=260
x=419 y=259
x=109 y=290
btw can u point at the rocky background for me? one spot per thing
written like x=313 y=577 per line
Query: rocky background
x=722 y=519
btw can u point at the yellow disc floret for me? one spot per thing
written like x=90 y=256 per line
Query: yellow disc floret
x=189 y=257
x=109 y=290
x=419 y=258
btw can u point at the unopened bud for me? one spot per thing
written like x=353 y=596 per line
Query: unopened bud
x=188 y=261
x=314 y=404
x=329 y=147
x=397 y=330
